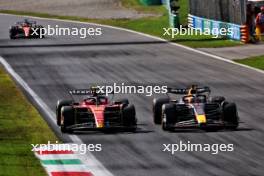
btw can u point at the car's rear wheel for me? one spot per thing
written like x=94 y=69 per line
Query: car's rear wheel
x=157 y=108
x=129 y=117
x=218 y=99
x=67 y=118
x=60 y=104
x=169 y=117
x=123 y=101
x=230 y=115
x=11 y=36
x=12 y=33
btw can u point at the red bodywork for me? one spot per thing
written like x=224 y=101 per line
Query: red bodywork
x=98 y=109
x=26 y=29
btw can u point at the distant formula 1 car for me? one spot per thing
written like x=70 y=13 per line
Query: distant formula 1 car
x=95 y=112
x=195 y=109
x=25 y=29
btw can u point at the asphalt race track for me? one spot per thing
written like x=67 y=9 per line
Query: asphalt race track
x=53 y=65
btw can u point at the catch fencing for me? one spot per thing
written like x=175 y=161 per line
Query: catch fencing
x=230 y=11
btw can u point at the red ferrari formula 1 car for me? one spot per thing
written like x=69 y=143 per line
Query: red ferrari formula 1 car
x=95 y=112
x=194 y=109
x=25 y=29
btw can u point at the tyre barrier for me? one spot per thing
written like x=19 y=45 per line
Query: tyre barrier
x=190 y=21
x=244 y=29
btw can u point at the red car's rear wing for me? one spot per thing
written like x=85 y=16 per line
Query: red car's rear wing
x=81 y=92
x=91 y=91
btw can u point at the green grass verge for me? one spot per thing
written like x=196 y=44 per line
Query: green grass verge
x=152 y=25
x=136 y=5
x=20 y=126
x=257 y=62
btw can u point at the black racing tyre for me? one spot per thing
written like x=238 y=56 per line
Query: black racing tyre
x=129 y=116
x=157 y=108
x=60 y=104
x=230 y=115
x=12 y=33
x=123 y=101
x=168 y=116
x=11 y=37
x=218 y=99
x=68 y=118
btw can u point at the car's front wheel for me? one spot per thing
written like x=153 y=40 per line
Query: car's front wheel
x=230 y=115
x=67 y=113
x=168 y=117
x=157 y=108
x=218 y=99
x=60 y=104
x=12 y=33
x=129 y=117
x=123 y=101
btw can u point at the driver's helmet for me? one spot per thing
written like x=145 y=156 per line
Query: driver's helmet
x=188 y=99
x=192 y=90
x=26 y=22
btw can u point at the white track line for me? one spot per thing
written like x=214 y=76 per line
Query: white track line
x=146 y=35
x=96 y=167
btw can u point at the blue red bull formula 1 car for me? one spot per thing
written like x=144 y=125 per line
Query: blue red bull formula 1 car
x=194 y=109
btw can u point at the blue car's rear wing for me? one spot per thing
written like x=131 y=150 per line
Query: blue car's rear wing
x=192 y=90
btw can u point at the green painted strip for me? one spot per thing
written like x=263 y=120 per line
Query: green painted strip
x=61 y=161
